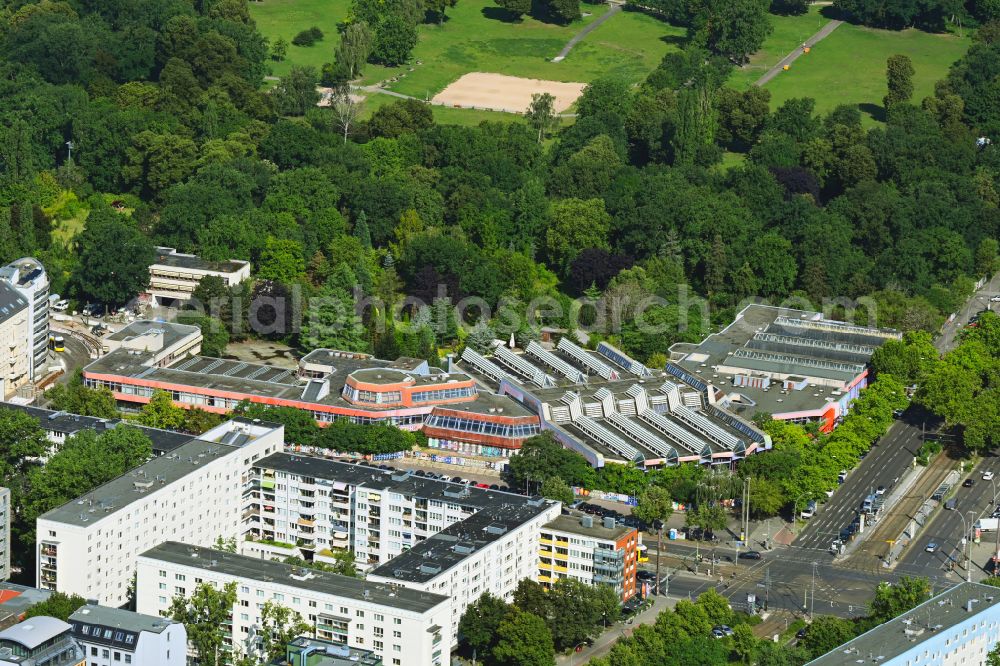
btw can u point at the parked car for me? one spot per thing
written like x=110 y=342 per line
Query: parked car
x=880 y=490
x=931 y=547
x=751 y=555
x=60 y=306
x=968 y=483
x=987 y=476
x=994 y=299
x=724 y=628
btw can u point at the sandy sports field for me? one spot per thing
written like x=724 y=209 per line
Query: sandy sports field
x=498 y=92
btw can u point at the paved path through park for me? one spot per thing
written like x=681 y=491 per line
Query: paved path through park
x=793 y=56
x=615 y=8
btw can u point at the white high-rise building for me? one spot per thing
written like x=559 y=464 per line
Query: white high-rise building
x=28 y=277
x=193 y=494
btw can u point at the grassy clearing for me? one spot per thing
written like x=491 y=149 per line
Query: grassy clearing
x=848 y=67
x=476 y=38
x=789 y=33
x=283 y=19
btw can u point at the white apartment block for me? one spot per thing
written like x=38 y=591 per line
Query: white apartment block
x=424 y=534
x=27 y=276
x=15 y=340
x=194 y=494
x=5 y=516
x=404 y=627
x=115 y=637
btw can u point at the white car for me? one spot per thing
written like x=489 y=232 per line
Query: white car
x=994 y=299
x=61 y=306
x=987 y=476
x=931 y=547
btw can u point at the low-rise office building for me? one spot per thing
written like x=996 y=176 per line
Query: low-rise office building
x=795 y=365
x=601 y=553
x=114 y=636
x=195 y=493
x=404 y=627
x=328 y=384
x=173 y=276
x=955 y=628
x=40 y=641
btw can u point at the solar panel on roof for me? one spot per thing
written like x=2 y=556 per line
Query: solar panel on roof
x=624 y=360
x=591 y=363
x=523 y=367
x=484 y=365
x=553 y=361
x=674 y=431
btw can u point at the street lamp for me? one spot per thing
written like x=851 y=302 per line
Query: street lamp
x=965 y=545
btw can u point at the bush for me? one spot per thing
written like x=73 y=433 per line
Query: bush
x=927 y=451
x=308 y=37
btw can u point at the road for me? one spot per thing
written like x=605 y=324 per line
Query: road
x=887 y=461
x=979 y=301
x=946 y=528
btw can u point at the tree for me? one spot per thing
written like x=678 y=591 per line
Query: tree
x=204 y=615
x=478 y=627
x=892 y=600
x=523 y=639
x=555 y=488
x=827 y=632
x=516 y=8
x=84 y=461
x=789 y=7
x=354 y=48
x=541 y=114
x=732 y=28
x=541 y=457
x=564 y=11
x=345 y=110
x=114 y=258
x=993 y=658
x=59 y=605
x=279 y=50
x=74 y=397
x=401 y=117
x=22 y=443
x=225 y=545
x=986 y=256
x=653 y=508
x=438 y=8
x=575 y=225
x=394 y=39
x=296 y=92
x=280 y=625
x=481 y=337
x=161 y=412
x=281 y=261
x=899 y=77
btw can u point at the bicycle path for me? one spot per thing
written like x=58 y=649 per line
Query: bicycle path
x=820 y=34
x=586 y=31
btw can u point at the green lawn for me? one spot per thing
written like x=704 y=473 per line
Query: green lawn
x=848 y=67
x=473 y=39
x=286 y=18
x=789 y=33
